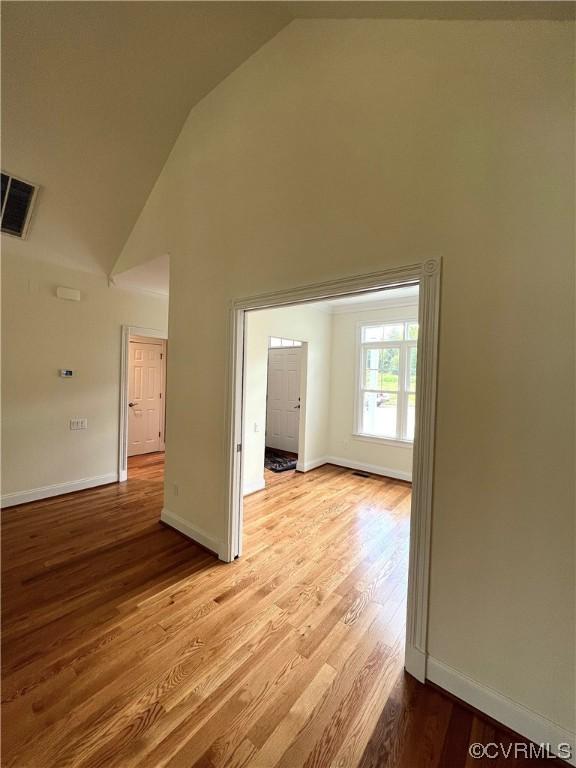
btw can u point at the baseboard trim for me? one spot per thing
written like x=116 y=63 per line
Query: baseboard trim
x=339 y=461
x=415 y=662
x=254 y=487
x=510 y=713
x=374 y=469
x=306 y=466
x=197 y=535
x=58 y=489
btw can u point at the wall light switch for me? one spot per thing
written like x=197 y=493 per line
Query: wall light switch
x=78 y=424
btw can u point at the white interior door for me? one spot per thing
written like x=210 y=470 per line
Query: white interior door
x=145 y=397
x=283 y=404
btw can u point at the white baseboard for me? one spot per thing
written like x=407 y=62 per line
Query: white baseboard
x=510 y=713
x=415 y=662
x=254 y=487
x=47 y=491
x=374 y=469
x=192 y=532
x=306 y=466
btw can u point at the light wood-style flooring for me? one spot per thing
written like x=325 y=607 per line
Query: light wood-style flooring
x=124 y=644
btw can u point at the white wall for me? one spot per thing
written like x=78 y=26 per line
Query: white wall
x=342 y=147
x=328 y=407
x=40 y=335
x=302 y=323
x=343 y=445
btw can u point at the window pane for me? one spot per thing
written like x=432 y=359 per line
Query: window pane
x=412 y=352
x=411 y=417
x=372 y=333
x=379 y=414
x=287 y=342
x=297 y=343
x=274 y=342
x=394 y=332
x=382 y=368
x=412 y=331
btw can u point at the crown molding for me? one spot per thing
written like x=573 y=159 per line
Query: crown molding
x=373 y=306
x=133 y=289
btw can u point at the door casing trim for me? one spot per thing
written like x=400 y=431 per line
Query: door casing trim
x=426 y=274
x=127 y=331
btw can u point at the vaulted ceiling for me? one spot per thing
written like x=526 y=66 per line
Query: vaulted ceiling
x=95 y=93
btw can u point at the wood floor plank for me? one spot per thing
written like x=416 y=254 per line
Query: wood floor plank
x=125 y=645
x=289 y=727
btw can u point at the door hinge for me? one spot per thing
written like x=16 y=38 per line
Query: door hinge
x=161 y=356
x=160 y=395
x=238 y=447
x=159 y=434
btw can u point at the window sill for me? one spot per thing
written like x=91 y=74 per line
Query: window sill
x=383 y=440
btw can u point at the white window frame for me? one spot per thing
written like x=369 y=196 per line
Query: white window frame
x=403 y=392
x=284 y=343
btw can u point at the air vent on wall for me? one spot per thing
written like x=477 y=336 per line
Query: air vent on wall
x=17 y=201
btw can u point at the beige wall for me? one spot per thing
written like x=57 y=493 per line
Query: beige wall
x=343 y=445
x=305 y=324
x=40 y=335
x=345 y=146
x=93 y=97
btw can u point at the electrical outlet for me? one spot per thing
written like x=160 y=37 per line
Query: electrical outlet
x=256 y=427
x=78 y=423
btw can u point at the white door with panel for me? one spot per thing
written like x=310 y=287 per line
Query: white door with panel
x=283 y=403
x=145 y=397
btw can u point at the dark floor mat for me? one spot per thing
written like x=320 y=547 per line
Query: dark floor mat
x=279 y=463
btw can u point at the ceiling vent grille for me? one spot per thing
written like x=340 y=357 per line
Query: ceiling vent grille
x=17 y=203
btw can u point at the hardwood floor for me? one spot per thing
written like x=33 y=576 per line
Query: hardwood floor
x=124 y=644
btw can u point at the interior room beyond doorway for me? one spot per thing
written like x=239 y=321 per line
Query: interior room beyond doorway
x=146 y=396
x=332 y=382
x=286 y=365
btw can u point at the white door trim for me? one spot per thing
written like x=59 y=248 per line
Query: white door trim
x=302 y=446
x=427 y=275
x=127 y=331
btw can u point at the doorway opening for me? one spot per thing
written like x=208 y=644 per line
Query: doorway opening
x=142 y=437
x=146 y=401
x=389 y=405
x=285 y=390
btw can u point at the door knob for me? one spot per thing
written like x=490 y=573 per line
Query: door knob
x=131 y=405
x=296 y=406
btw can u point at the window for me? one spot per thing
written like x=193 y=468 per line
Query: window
x=387 y=380
x=277 y=342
